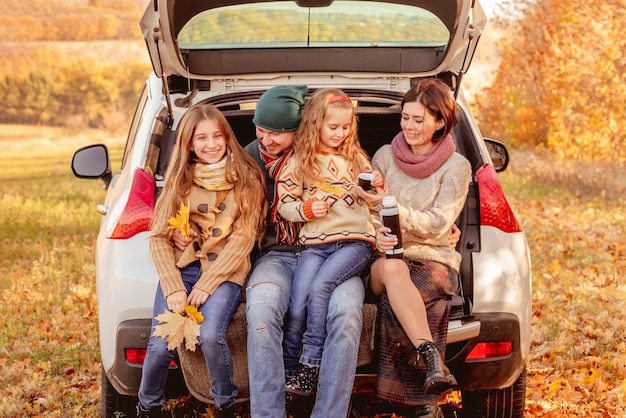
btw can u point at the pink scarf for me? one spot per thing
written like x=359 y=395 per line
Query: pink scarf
x=421 y=166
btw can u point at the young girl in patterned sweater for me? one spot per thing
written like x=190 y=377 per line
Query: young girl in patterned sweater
x=224 y=189
x=317 y=187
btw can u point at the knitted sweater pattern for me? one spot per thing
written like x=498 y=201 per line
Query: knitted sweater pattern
x=222 y=245
x=348 y=217
x=428 y=206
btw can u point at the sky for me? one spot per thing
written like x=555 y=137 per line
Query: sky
x=489 y=6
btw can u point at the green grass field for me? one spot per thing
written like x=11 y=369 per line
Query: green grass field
x=48 y=226
x=49 y=358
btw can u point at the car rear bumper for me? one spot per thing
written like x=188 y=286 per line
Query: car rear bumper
x=492 y=372
x=126 y=376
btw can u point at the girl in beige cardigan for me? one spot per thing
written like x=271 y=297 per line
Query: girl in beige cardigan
x=224 y=190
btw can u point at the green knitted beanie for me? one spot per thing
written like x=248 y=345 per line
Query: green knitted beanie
x=279 y=108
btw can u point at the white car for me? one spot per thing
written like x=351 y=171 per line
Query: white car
x=228 y=53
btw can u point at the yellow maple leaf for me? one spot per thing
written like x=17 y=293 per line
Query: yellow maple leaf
x=181 y=221
x=327 y=187
x=194 y=314
x=177 y=329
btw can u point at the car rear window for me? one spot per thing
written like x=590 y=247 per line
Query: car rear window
x=283 y=24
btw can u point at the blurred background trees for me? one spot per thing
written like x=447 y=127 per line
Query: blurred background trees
x=561 y=82
x=559 y=86
x=69 y=20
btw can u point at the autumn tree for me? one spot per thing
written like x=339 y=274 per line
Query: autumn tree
x=50 y=87
x=561 y=82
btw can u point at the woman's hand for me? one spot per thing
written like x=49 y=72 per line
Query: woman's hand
x=455 y=236
x=385 y=241
x=176 y=301
x=181 y=242
x=197 y=297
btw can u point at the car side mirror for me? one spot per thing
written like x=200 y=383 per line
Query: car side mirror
x=498 y=153
x=92 y=162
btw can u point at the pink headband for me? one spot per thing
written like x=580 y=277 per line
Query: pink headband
x=339 y=98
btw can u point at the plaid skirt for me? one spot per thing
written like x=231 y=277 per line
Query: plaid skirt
x=400 y=376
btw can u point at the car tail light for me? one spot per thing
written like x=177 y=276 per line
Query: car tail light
x=494 y=208
x=138 y=355
x=139 y=208
x=490 y=350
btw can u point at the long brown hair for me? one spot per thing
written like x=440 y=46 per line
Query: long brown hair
x=249 y=185
x=307 y=140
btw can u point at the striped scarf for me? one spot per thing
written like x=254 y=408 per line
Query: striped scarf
x=213 y=176
x=286 y=232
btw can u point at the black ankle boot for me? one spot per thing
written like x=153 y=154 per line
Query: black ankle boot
x=425 y=411
x=148 y=413
x=225 y=413
x=438 y=377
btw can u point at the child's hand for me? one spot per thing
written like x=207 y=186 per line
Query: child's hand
x=181 y=242
x=176 y=301
x=197 y=297
x=320 y=208
x=377 y=181
x=372 y=199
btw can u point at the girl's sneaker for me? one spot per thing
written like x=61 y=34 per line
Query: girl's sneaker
x=304 y=382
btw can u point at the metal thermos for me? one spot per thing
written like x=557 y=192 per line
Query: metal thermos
x=390 y=217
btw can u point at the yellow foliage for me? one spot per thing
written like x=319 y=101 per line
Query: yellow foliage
x=181 y=221
x=328 y=188
x=560 y=83
x=193 y=313
x=177 y=329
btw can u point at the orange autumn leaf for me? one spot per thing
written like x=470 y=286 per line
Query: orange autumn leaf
x=181 y=221
x=177 y=329
x=194 y=314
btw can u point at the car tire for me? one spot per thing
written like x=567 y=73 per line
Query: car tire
x=114 y=404
x=496 y=403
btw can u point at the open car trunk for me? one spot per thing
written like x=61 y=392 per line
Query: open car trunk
x=378 y=123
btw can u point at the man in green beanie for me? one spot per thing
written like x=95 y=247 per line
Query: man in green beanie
x=276 y=117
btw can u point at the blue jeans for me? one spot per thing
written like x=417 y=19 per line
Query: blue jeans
x=267 y=300
x=217 y=311
x=320 y=270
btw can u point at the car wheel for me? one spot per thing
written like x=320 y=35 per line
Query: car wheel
x=113 y=404
x=496 y=403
